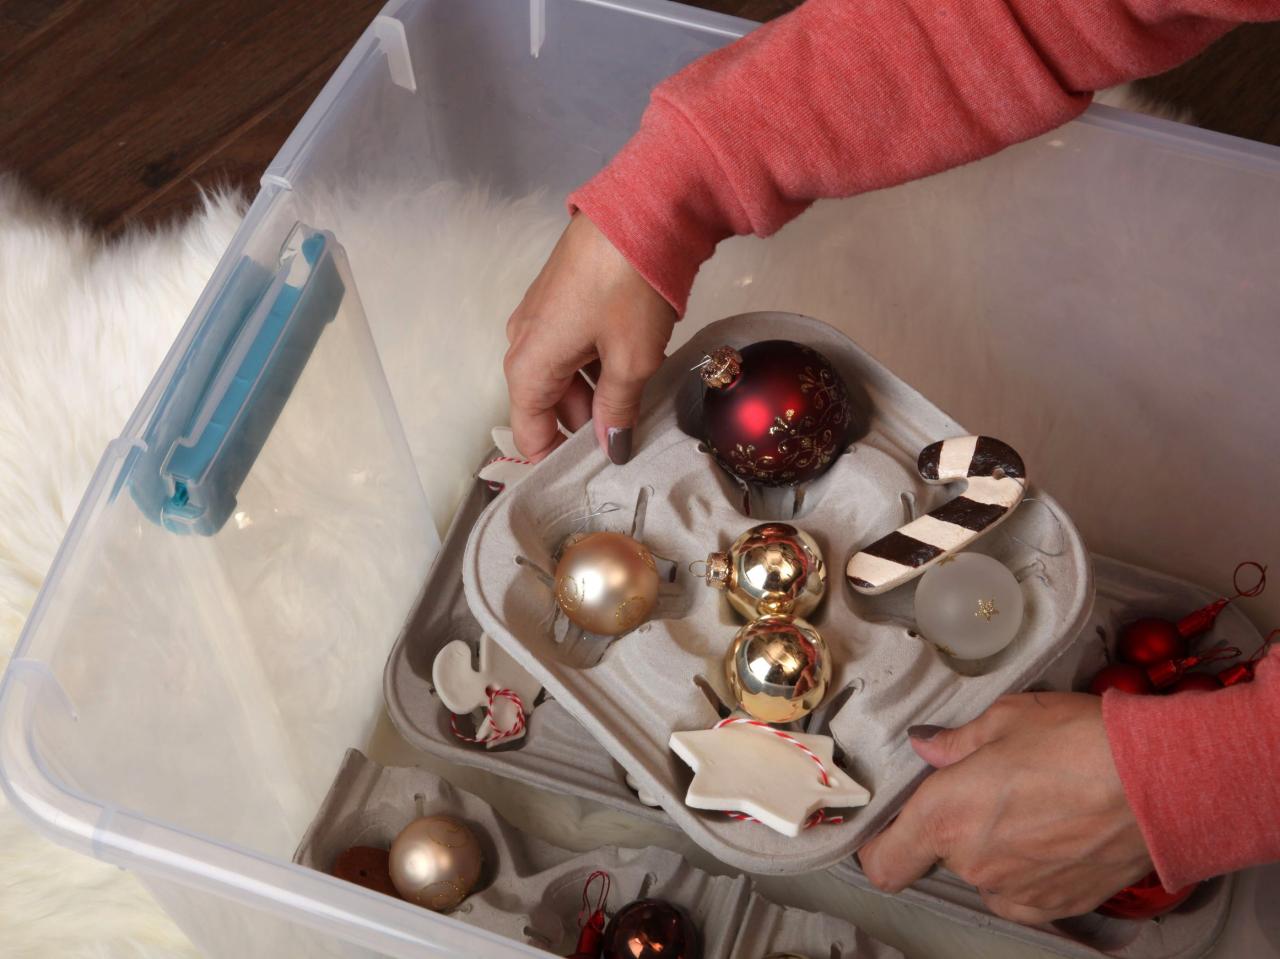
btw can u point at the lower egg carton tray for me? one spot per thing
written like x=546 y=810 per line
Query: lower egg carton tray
x=559 y=755
x=633 y=692
x=531 y=891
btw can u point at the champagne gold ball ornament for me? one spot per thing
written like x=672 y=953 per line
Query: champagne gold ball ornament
x=779 y=668
x=435 y=862
x=771 y=569
x=969 y=606
x=606 y=583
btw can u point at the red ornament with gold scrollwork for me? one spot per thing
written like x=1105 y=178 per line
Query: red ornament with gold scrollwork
x=775 y=413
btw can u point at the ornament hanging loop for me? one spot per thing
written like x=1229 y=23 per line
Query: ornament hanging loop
x=589 y=908
x=1218 y=654
x=591 y=920
x=1168 y=672
x=1264 y=648
x=1063 y=543
x=1202 y=620
x=1254 y=590
x=583 y=519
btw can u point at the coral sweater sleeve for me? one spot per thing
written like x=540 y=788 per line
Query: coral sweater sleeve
x=844 y=96
x=1201 y=771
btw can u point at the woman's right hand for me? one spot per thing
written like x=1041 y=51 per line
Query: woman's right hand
x=588 y=310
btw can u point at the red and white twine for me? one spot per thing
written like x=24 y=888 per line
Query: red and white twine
x=499 y=487
x=819 y=817
x=498 y=734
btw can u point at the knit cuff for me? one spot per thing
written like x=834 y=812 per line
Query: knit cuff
x=1201 y=771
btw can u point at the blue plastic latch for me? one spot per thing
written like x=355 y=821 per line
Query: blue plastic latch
x=234 y=380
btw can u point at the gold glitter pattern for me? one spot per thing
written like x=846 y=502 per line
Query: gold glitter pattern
x=630 y=612
x=987 y=609
x=808 y=444
x=568 y=594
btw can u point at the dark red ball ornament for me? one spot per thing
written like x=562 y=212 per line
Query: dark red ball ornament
x=775 y=413
x=1121 y=676
x=651 y=929
x=1145 y=642
x=366 y=866
x=1145 y=899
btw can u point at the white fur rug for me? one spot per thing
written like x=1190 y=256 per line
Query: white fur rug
x=74 y=361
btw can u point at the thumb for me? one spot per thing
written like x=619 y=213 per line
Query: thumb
x=939 y=746
x=617 y=403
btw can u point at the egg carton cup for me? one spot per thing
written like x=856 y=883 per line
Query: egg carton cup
x=1124 y=593
x=531 y=891
x=633 y=692
x=554 y=754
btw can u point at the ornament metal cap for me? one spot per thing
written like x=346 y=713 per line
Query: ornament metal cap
x=721 y=367
x=718 y=570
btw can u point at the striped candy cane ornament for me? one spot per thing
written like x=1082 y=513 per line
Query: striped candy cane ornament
x=996 y=482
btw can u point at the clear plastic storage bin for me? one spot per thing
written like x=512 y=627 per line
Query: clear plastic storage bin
x=211 y=637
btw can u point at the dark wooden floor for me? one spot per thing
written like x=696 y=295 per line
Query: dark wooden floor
x=118 y=109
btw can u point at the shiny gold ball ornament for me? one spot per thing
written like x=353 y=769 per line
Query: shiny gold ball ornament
x=435 y=862
x=779 y=668
x=771 y=569
x=606 y=583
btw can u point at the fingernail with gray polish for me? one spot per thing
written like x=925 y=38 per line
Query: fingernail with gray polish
x=924 y=733
x=619 y=444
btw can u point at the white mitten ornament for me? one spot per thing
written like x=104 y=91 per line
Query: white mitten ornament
x=500 y=686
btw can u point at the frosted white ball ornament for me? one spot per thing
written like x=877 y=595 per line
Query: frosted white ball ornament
x=969 y=605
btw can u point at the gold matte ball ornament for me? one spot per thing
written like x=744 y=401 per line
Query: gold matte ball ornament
x=435 y=862
x=771 y=569
x=607 y=583
x=779 y=668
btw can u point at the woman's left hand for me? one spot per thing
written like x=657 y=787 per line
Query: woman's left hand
x=1026 y=805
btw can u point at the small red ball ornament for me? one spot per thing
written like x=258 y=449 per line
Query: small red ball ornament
x=1195 y=681
x=1151 y=641
x=775 y=413
x=1145 y=899
x=1121 y=676
x=1146 y=642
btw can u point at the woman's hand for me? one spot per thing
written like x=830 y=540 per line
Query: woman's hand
x=1026 y=805
x=588 y=310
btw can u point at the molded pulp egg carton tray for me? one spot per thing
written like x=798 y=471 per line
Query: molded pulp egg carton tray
x=531 y=891
x=559 y=755
x=631 y=693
